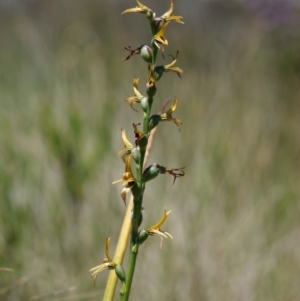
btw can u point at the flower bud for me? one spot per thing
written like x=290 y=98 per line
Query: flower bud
x=158 y=23
x=142 y=236
x=150 y=15
x=158 y=72
x=151 y=172
x=151 y=91
x=146 y=53
x=120 y=273
x=143 y=142
x=154 y=121
x=145 y=104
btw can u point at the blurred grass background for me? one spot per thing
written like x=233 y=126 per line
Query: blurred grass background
x=235 y=215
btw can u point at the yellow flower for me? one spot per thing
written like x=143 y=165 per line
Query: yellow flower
x=140 y=8
x=156 y=230
x=107 y=263
x=170 y=67
x=159 y=38
x=137 y=95
x=167 y=116
x=162 y=22
x=128 y=179
x=151 y=79
x=156 y=72
x=168 y=16
x=126 y=151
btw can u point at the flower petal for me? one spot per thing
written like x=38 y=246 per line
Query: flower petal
x=126 y=142
x=160 y=36
x=162 y=220
x=124 y=192
x=138 y=9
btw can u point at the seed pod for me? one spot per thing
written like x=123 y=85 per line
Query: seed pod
x=120 y=273
x=151 y=172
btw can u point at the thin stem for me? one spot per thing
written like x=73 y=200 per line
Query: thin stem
x=125 y=289
x=146 y=118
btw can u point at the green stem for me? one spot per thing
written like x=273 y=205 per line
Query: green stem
x=125 y=290
x=138 y=193
x=126 y=286
x=146 y=119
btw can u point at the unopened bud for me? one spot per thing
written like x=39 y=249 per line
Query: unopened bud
x=158 y=72
x=154 y=121
x=158 y=23
x=145 y=104
x=142 y=236
x=151 y=91
x=151 y=172
x=120 y=273
x=146 y=53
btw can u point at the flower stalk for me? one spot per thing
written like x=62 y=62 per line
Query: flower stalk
x=133 y=154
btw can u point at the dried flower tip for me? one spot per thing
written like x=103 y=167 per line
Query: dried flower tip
x=175 y=172
x=107 y=263
x=138 y=135
x=132 y=51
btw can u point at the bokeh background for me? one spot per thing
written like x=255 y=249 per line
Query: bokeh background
x=235 y=215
